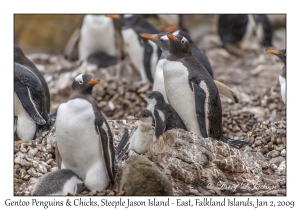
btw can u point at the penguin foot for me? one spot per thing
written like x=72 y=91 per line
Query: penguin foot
x=235 y=143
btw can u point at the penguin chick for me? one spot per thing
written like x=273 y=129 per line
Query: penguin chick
x=141 y=136
x=166 y=118
x=84 y=139
x=60 y=182
x=282 y=76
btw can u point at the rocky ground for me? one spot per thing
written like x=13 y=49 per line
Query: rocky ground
x=259 y=117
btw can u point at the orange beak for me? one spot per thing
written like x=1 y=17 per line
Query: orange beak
x=114 y=16
x=274 y=52
x=93 y=81
x=149 y=36
x=170 y=36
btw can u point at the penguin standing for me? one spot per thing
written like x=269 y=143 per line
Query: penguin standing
x=99 y=41
x=166 y=118
x=162 y=42
x=192 y=92
x=244 y=29
x=84 y=139
x=30 y=105
x=282 y=76
x=143 y=54
x=141 y=136
x=59 y=182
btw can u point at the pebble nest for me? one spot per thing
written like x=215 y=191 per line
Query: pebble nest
x=259 y=117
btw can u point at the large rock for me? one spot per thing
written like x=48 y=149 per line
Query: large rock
x=191 y=163
x=140 y=177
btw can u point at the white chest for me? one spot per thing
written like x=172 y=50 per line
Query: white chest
x=159 y=83
x=282 y=82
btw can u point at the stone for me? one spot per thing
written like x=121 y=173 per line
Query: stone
x=140 y=177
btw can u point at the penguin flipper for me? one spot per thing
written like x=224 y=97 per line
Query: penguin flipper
x=27 y=101
x=226 y=91
x=235 y=143
x=71 y=43
x=148 y=50
x=106 y=144
x=122 y=146
x=160 y=125
x=200 y=96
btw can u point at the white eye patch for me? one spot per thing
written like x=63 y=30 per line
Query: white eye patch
x=176 y=32
x=183 y=40
x=165 y=38
x=128 y=16
x=79 y=79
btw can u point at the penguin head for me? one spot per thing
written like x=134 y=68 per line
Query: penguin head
x=279 y=53
x=184 y=34
x=154 y=97
x=129 y=20
x=179 y=45
x=84 y=83
x=161 y=40
x=145 y=115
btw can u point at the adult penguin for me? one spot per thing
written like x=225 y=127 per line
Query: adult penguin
x=282 y=76
x=143 y=54
x=99 y=41
x=84 y=139
x=162 y=42
x=30 y=106
x=192 y=92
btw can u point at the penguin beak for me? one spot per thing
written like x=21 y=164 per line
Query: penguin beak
x=172 y=37
x=274 y=52
x=114 y=16
x=93 y=81
x=149 y=36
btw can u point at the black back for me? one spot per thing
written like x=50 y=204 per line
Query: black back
x=264 y=20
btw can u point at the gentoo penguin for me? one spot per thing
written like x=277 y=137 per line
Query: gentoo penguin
x=282 y=77
x=166 y=118
x=99 y=41
x=162 y=42
x=243 y=28
x=59 y=182
x=20 y=58
x=84 y=139
x=143 y=54
x=30 y=106
x=192 y=92
x=141 y=136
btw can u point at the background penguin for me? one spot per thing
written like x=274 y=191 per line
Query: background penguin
x=143 y=54
x=60 y=182
x=282 y=77
x=20 y=58
x=100 y=41
x=30 y=106
x=237 y=28
x=84 y=139
x=192 y=93
x=162 y=42
x=141 y=136
x=166 y=118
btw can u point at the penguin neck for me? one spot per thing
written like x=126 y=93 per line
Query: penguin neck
x=81 y=94
x=164 y=54
x=283 y=72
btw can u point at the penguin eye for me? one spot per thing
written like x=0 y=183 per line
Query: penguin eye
x=80 y=82
x=182 y=41
x=162 y=40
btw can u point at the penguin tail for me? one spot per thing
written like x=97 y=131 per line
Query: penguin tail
x=122 y=147
x=235 y=143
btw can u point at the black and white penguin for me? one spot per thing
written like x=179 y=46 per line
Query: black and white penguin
x=30 y=105
x=20 y=58
x=143 y=54
x=59 y=182
x=84 y=139
x=99 y=41
x=244 y=29
x=141 y=136
x=282 y=76
x=192 y=92
x=162 y=42
x=166 y=118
